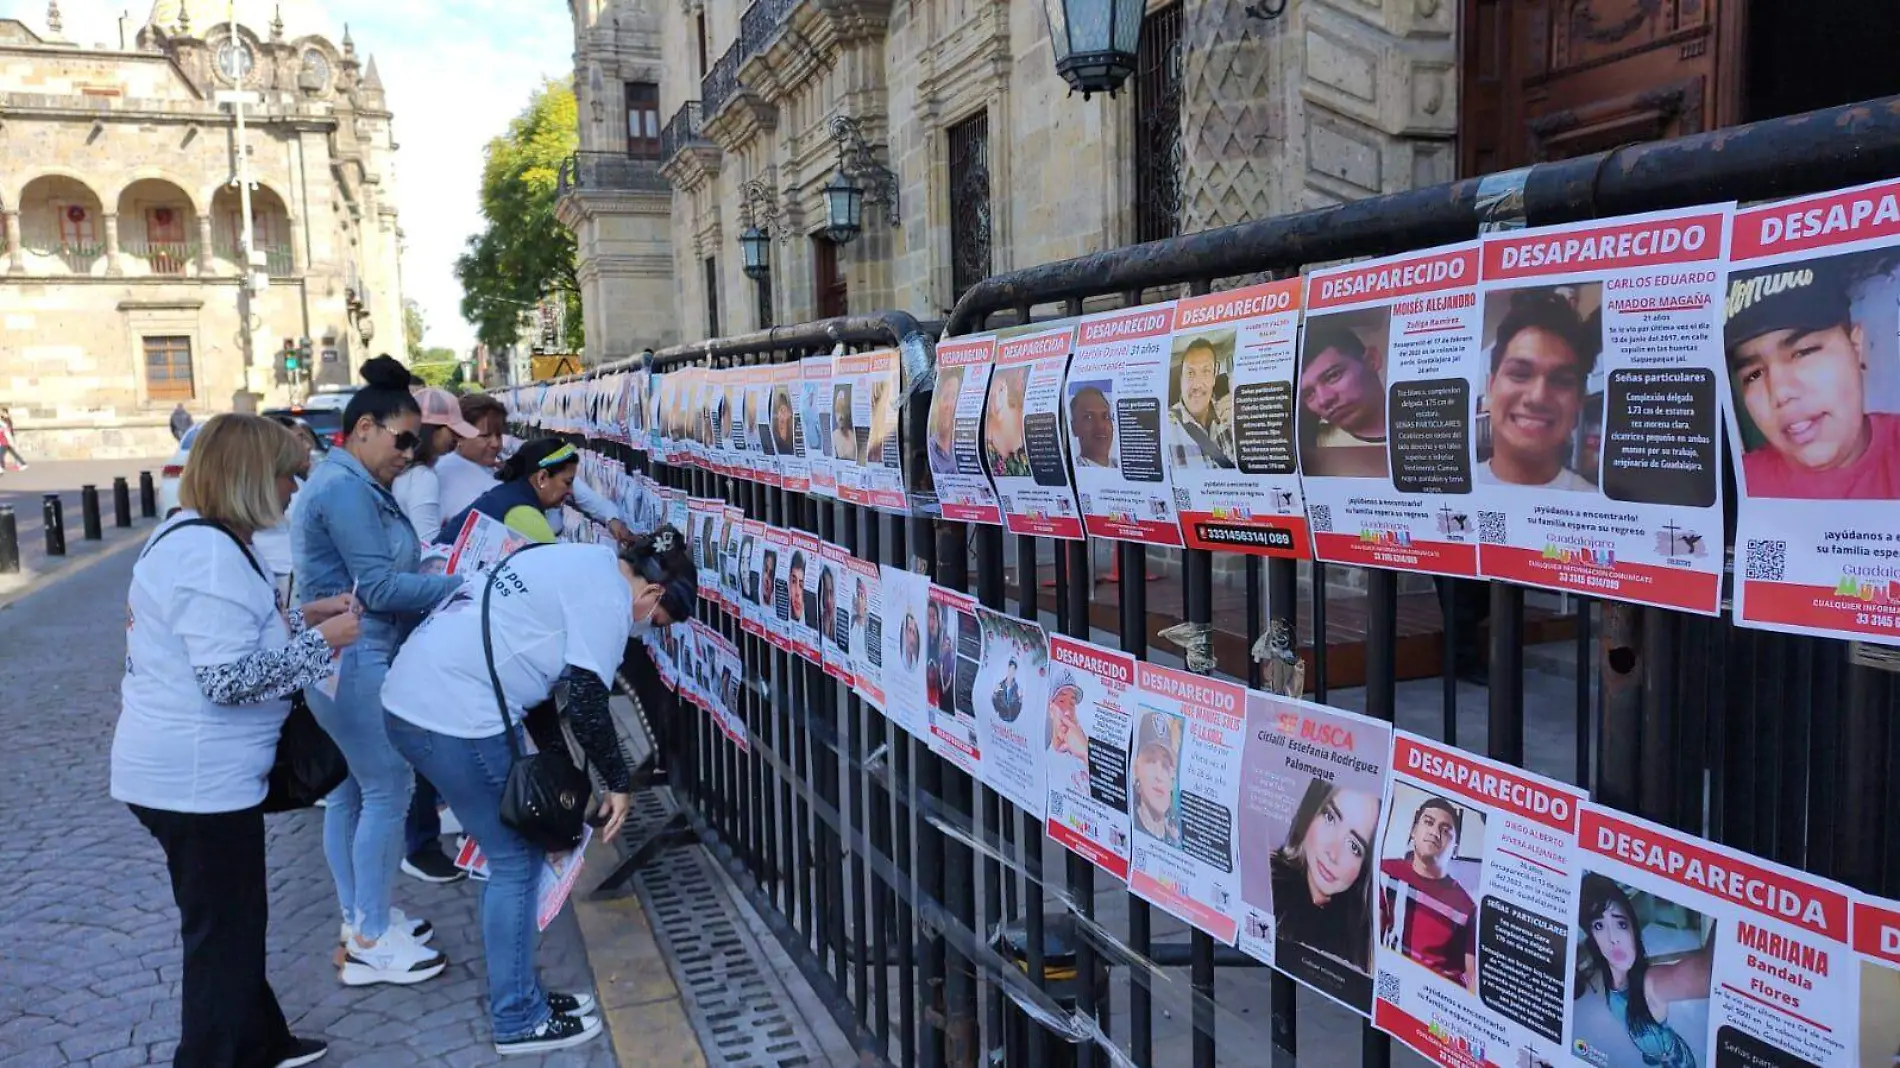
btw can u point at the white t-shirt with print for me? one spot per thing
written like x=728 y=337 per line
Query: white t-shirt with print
x=554 y=606
x=194 y=602
x=459 y=482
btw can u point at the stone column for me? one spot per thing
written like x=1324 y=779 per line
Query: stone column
x=205 y=264
x=297 y=264
x=113 y=267
x=16 y=252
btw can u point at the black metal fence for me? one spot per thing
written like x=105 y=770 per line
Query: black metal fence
x=887 y=871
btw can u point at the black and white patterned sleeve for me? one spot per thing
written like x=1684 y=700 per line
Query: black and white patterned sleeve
x=594 y=729
x=294 y=618
x=268 y=674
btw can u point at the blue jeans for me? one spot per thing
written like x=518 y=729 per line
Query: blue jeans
x=363 y=827
x=470 y=773
x=423 y=827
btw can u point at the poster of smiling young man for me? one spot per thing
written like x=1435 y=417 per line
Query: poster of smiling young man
x=1813 y=354
x=953 y=651
x=1022 y=434
x=1011 y=688
x=1247 y=499
x=788 y=437
x=803 y=569
x=1385 y=404
x=906 y=600
x=833 y=586
x=815 y=423
x=1113 y=412
x=1312 y=780
x=955 y=429
x=1475 y=891
x=861 y=627
x=1600 y=412
x=848 y=430
x=1091 y=715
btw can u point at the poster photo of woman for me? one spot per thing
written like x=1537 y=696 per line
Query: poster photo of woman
x=1005 y=446
x=1642 y=987
x=844 y=431
x=1323 y=876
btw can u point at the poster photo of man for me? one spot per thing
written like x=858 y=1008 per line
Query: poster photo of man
x=942 y=422
x=1342 y=395
x=1201 y=401
x=1431 y=869
x=1540 y=418
x=1065 y=736
x=1005 y=446
x=844 y=430
x=1154 y=788
x=1644 y=966
x=1092 y=423
x=1814 y=368
x=784 y=423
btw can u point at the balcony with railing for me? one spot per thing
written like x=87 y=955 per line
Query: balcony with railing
x=610 y=172
x=680 y=132
x=279 y=260
x=172 y=259
x=721 y=83
x=760 y=23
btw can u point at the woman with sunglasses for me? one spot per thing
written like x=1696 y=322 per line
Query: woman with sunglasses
x=351 y=535
x=539 y=476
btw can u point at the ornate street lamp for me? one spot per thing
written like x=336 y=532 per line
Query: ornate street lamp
x=1094 y=41
x=860 y=180
x=758 y=210
x=755 y=250
x=844 y=209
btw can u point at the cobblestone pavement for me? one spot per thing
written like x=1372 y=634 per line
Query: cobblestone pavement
x=89 y=952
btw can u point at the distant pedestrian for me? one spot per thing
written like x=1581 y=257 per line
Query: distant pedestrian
x=181 y=421
x=9 y=442
x=211 y=661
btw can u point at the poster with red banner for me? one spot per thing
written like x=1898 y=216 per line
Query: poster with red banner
x=953 y=653
x=1876 y=929
x=1599 y=413
x=775 y=597
x=752 y=602
x=1385 y=395
x=815 y=418
x=1091 y=716
x=834 y=584
x=954 y=429
x=1112 y=406
x=881 y=391
x=788 y=438
x=1022 y=434
x=1814 y=415
x=861 y=627
x=1476 y=888
x=1741 y=961
x=803 y=569
x=849 y=437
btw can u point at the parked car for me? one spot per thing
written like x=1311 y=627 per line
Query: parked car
x=324 y=428
x=330 y=398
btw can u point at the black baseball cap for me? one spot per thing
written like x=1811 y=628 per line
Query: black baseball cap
x=1803 y=297
x=1154 y=731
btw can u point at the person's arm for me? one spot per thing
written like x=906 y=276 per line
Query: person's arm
x=592 y=505
x=358 y=538
x=220 y=636
x=594 y=729
x=267 y=675
x=530 y=523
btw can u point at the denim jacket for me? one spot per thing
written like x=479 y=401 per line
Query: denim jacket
x=350 y=531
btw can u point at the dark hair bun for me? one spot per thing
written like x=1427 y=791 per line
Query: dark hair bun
x=384 y=372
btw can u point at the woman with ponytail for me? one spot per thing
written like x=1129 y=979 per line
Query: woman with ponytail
x=559 y=611
x=538 y=477
x=350 y=535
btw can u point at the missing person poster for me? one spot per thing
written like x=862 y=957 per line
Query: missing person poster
x=1091 y=715
x=1385 y=394
x=1231 y=418
x=768 y=464
x=723 y=453
x=802 y=571
x=752 y=545
x=731 y=564
x=834 y=585
x=1812 y=341
x=775 y=597
x=730 y=692
x=1022 y=434
x=1475 y=883
x=861 y=627
x=1876 y=929
x=954 y=428
x=953 y=652
x=1111 y=406
x=702 y=532
x=1012 y=677
x=815 y=422
x=1182 y=793
x=881 y=393
x=1739 y=961
x=481 y=543
x=907 y=608
x=848 y=433
x=788 y=437
x=1599 y=409
x=1312 y=780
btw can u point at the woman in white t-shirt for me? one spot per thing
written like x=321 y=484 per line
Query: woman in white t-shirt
x=211 y=661
x=557 y=610
x=418 y=489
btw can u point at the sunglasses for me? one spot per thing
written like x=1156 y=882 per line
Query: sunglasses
x=405 y=441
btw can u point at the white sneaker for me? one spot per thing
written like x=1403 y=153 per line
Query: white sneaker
x=395 y=958
x=559 y=1032
x=419 y=931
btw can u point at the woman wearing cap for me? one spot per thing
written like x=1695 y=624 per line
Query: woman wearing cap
x=418 y=490
x=539 y=476
x=570 y=611
x=471 y=470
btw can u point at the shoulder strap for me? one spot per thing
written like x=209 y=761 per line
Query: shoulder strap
x=220 y=528
x=488 y=649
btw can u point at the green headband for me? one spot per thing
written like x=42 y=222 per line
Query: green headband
x=557 y=457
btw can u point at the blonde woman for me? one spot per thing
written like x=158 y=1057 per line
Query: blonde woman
x=211 y=660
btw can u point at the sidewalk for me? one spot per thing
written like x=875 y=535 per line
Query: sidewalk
x=23 y=492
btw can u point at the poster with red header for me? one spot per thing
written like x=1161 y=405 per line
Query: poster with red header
x=1091 y=718
x=1112 y=411
x=849 y=437
x=788 y=435
x=1876 y=930
x=754 y=594
x=1183 y=789
x=1599 y=409
x=1742 y=961
x=881 y=392
x=1813 y=358
x=703 y=518
x=767 y=465
x=1022 y=434
x=803 y=569
x=815 y=418
x=722 y=394
x=907 y=609
x=1475 y=894
x=1386 y=401
x=731 y=564
x=1231 y=379
x=775 y=607
x=834 y=584
x=861 y=627
x=953 y=644
x=954 y=429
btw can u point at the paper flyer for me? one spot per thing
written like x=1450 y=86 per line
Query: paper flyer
x=720 y=454
x=730 y=562
x=953 y=644
x=762 y=393
x=1012 y=678
x=555 y=883
x=815 y=422
x=861 y=620
x=483 y=541
x=849 y=433
x=1876 y=929
x=703 y=515
x=1477 y=862
x=775 y=591
x=1385 y=390
x=1741 y=961
x=955 y=425
x=788 y=433
x=752 y=542
x=906 y=596
x=1813 y=355
x=725 y=685
x=1312 y=779
x=834 y=589
x=1112 y=413
x=1091 y=717
x=883 y=453
x=803 y=570
x=1022 y=434
x=1245 y=498
x=639 y=408
x=678 y=515
x=1599 y=410
x=1182 y=792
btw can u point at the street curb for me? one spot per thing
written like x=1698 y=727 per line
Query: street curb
x=639 y=999
x=43 y=579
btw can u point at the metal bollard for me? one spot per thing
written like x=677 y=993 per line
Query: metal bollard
x=121 y=503
x=55 y=516
x=9 y=542
x=89 y=513
x=148 y=496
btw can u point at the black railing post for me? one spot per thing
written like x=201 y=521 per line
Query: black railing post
x=90 y=525
x=9 y=541
x=148 y=496
x=54 y=515
x=121 y=503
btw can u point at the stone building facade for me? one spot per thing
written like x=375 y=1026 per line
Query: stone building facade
x=122 y=283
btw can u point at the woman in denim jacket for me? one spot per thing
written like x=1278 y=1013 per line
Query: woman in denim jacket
x=350 y=535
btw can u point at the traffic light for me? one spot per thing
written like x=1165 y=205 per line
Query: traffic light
x=303 y=354
x=286 y=361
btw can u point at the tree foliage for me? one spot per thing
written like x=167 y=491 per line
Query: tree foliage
x=437 y=366
x=412 y=329
x=523 y=252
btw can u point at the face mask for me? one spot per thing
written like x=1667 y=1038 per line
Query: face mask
x=644 y=628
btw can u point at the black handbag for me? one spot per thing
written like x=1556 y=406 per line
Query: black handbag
x=308 y=764
x=544 y=799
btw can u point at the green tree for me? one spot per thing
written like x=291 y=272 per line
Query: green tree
x=437 y=366
x=412 y=329
x=523 y=252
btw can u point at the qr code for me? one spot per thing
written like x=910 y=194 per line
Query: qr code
x=1767 y=560
x=1322 y=518
x=1181 y=500
x=1389 y=988
x=1491 y=528
x=1087 y=504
